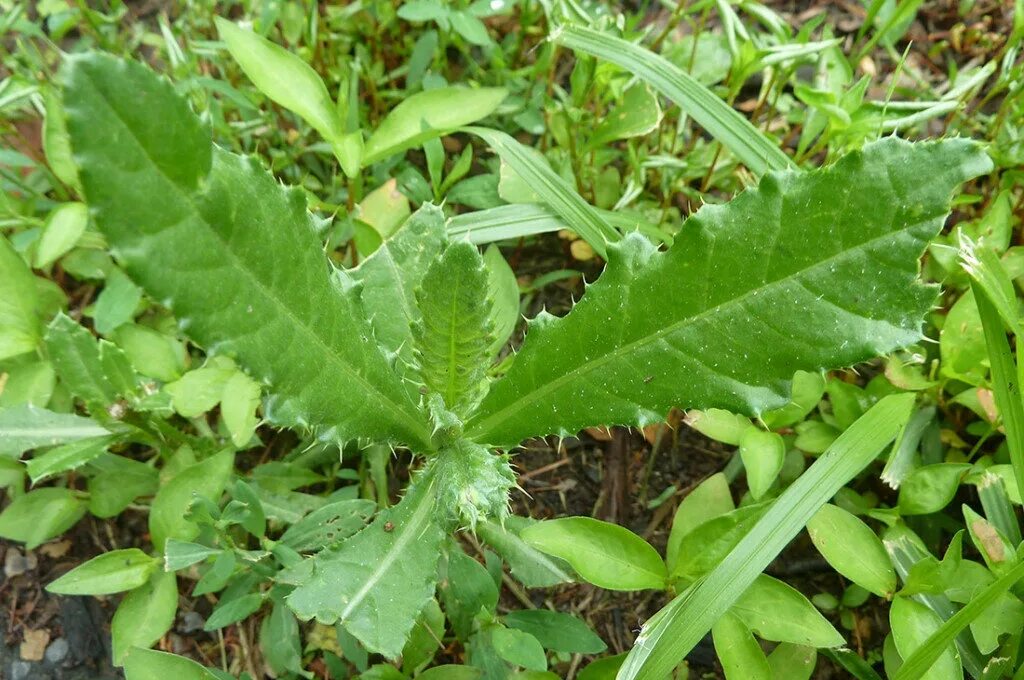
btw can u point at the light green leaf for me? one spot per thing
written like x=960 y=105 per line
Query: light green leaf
x=117 y=302
x=718 y=424
x=503 y=293
x=962 y=342
x=56 y=145
x=852 y=548
x=701 y=549
x=722 y=122
x=519 y=648
x=828 y=279
x=145 y=615
x=778 y=612
x=388 y=278
x=150 y=352
x=111 y=572
x=604 y=554
x=40 y=515
x=167 y=514
x=181 y=554
x=807 y=391
x=670 y=635
x=709 y=500
x=64 y=226
x=147 y=664
x=930 y=488
x=31 y=382
x=115 y=481
x=328 y=525
x=385 y=209
x=19 y=328
x=470 y=28
x=935 y=648
x=912 y=625
x=25 y=427
x=530 y=566
x=293 y=84
x=198 y=391
x=76 y=356
x=579 y=215
x=738 y=651
x=636 y=115
x=378 y=581
x=792 y=662
x=763 y=454
x=430 y=114
x=453 y=337
x=238 y=407
x=66 y=457
x=231 y=252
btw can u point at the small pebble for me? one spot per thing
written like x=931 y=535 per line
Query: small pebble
x=20 y=670
x=191 y=622
x=16 y=564
x=57 y=651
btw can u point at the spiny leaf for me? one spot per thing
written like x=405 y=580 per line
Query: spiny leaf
x=233 y=254
x=452 y=338
x=473 y=483
x=388 y=278
x=377 y=582
x=807 y=271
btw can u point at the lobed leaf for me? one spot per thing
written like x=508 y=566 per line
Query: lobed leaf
x=232 y=253
x=807 y=271
x=387 y=279
x=377 y=582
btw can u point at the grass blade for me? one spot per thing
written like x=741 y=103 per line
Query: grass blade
x=670 y=635
x=725 y=124
x=579 y=215
x=918 y=663
x=504 y=222
x=528 y=219
x=1005 y=385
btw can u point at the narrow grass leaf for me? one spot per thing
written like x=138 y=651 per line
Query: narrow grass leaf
x=1005 y=382
x=725 y=124
x=670 y=635
x=916 y=665
x=579 y=215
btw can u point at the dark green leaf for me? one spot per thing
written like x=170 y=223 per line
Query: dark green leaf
x=231 y=252
x=828 y=277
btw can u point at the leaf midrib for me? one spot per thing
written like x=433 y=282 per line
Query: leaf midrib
x=406 y=535
x=487 y=424
x=413 y=423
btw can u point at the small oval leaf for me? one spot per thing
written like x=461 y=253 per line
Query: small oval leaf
x=853 y=549
x=430 y=114
x=604 y=554
x=112 y=572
